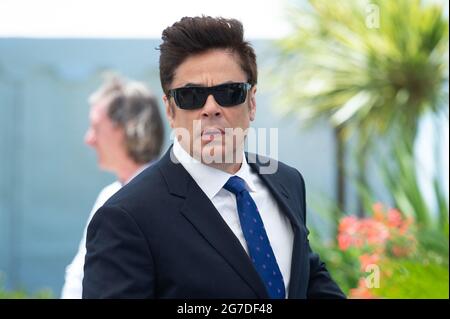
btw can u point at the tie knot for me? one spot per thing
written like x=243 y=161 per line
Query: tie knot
x=235 y=185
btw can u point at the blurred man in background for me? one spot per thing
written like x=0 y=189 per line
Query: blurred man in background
x=127 y=133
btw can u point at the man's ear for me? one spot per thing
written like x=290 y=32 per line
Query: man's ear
x=252 y=103
x=170 y=112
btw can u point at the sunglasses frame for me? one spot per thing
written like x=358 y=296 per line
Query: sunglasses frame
x=210 y=90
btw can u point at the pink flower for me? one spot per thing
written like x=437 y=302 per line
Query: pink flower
x=348 y=224
x=375 y=232
x=357 y=233
x=387 y=234
x=366 y=260
x=344 y=241
x=378 y=211
x=361 y=292
x=394 y=218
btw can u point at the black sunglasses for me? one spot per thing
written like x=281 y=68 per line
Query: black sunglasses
x=194 y=97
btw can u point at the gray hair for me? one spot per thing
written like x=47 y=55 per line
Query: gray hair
x=132 y=106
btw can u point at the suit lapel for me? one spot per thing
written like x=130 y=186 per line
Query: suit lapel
x=281 y=195
x=199 y=210
x=202 y=214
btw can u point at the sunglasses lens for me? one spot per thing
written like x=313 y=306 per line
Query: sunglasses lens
x=230 y=94
x=190 y=97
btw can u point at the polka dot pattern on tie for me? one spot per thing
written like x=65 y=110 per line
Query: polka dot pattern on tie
x=258 y=243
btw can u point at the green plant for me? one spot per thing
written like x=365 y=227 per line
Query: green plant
x=400 y=177
x=416 y=278
x=369 y=80
x=386 y=256
x=343 y=266
x=22 y=293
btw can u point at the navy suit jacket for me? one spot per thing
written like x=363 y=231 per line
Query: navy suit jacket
x=161 y=237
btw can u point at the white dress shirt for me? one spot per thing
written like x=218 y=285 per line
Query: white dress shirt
x=277 y=225
x=73 y=283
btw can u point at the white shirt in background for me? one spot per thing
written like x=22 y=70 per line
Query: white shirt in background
x=73 y=284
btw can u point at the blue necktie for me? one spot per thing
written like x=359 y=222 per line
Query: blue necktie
x=255 y=235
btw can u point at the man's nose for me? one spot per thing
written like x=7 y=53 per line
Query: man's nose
x=89 y=137
x=211 y=108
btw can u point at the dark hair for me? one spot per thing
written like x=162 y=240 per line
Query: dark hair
x=194 y=35
x=133 y=107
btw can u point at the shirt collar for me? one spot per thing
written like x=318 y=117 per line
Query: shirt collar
x=245 y=173
x=209 y=179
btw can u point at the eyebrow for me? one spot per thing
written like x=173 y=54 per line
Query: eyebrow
x=201 y=85
x=192 y=84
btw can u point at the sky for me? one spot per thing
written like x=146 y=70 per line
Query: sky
x=132 y=18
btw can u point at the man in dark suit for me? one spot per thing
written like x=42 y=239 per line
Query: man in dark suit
x=206 y=221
